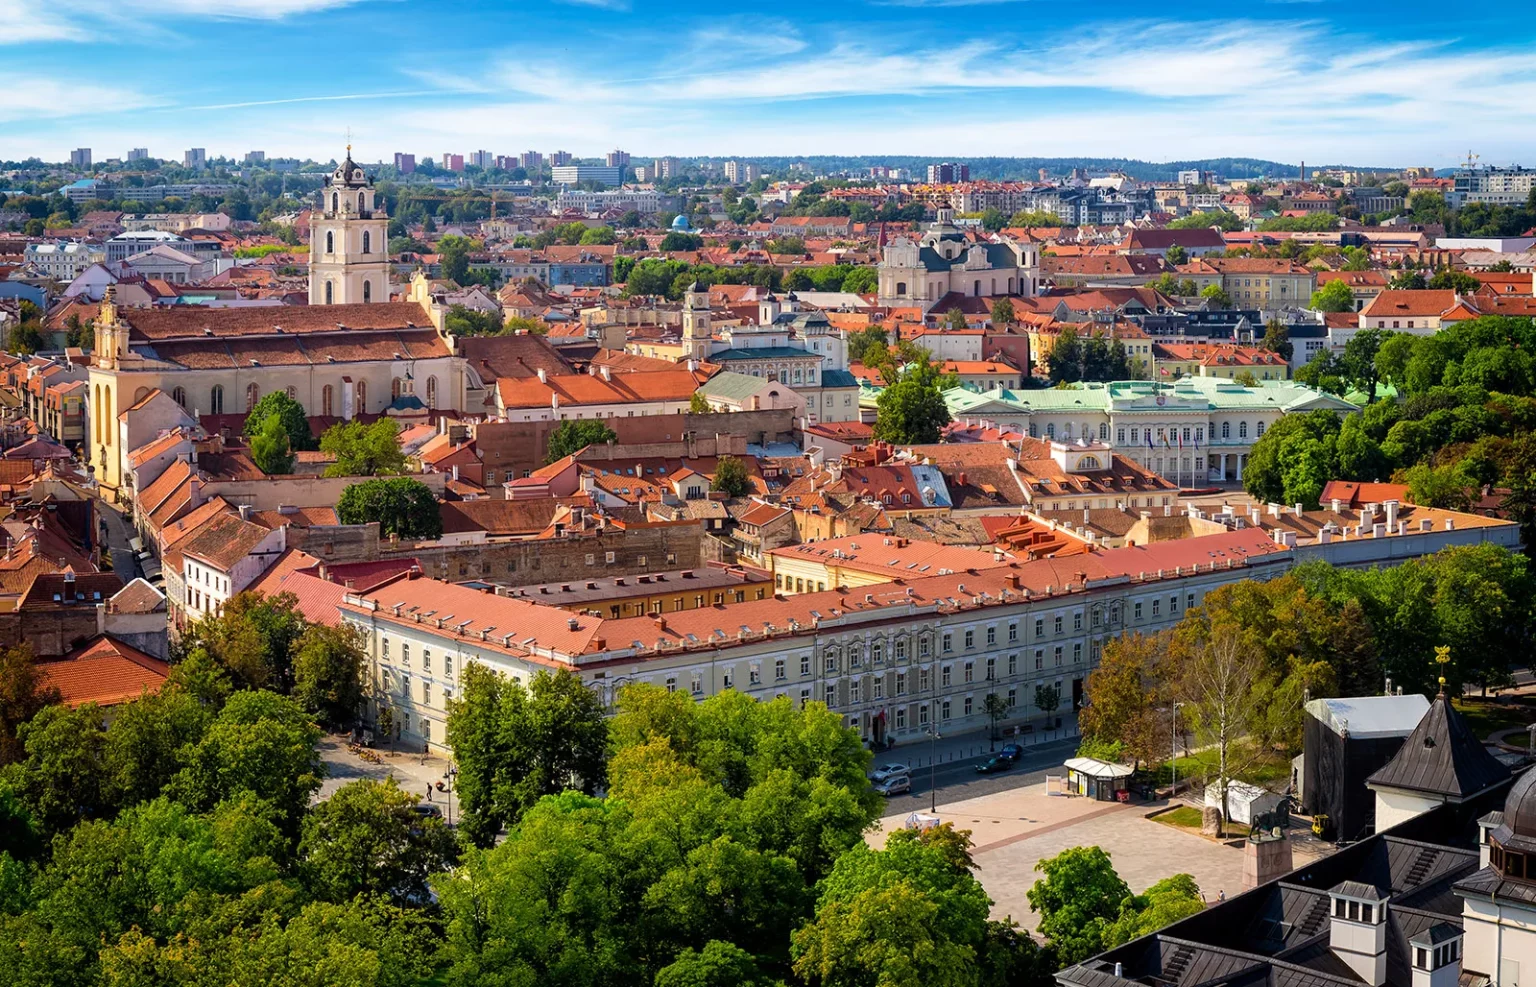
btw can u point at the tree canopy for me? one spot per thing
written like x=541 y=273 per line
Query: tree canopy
x=401 y=506
x=574 y=435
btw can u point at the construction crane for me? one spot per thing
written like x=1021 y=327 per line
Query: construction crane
x=1471 y=161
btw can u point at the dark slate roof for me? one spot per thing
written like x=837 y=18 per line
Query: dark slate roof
x=1358 y=889
x=761 y=353
x=1436 y=934
x=838 y=378
x=998 y=256
x=1489 y=883
x=1442 y=756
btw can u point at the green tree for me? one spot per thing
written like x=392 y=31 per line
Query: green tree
x=453 y=258
x=1064 y=362
x=251 y=639
x=368 y=839
x=698 y=404
x=461 y=320
x=1126 y=694
x=572 y=436
x=328 y=673
x=26 y=338
x=731 y=477
x=260 y=743
x=912 y=410
x=63 y=779
x=400 y=505
x=1359 y=360
x=718 y=964
x=24 y=690
x=1079 y=899
x=270 y=450
x=1277 y=339
x=1002 y=312
x=515 y=745
x=1047 y=699
x=1452 y=280
x=955 y=319
x=364 y=450
x=144 y=742
x=1176 y=255
x=1216 y=296
x=1167 y=901
x=1037 y=218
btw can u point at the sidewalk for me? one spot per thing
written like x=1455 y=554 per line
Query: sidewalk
x=919 y=752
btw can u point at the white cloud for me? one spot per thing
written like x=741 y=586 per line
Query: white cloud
x=22 y=22
x=32 y=96
x=600 y=4
x=747 y=36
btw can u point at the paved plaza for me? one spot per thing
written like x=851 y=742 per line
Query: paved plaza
x=1013 y=830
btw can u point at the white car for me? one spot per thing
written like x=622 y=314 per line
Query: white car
x=885 y=771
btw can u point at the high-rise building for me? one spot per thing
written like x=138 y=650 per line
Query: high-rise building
x=482 y=159
x=80 y=157
x=645 y=173
x=195 y=157
x=742 y=172
x=948 y=172
x=559 y=159
x=138 y=154
x=576 y=174
x=405 y=163
x=668 y=168
x=453 y=162
x=531 y=161
x=348 y=241
x=617 y=158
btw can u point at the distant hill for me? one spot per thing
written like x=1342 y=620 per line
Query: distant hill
x=1029 y=168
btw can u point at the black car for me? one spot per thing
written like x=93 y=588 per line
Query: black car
x=994 y=763
x=1011 y=753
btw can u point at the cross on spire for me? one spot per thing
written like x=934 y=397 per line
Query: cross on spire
x=1442 y=658
x=349 y=142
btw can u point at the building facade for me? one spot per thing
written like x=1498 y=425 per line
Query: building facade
x=349 y=241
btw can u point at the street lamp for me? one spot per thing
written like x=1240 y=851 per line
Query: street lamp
x=933 y=770
x=1173 y=749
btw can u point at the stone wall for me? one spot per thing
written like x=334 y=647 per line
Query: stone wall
x=635 y=549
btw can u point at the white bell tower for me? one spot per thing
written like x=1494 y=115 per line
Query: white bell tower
x=348 y=241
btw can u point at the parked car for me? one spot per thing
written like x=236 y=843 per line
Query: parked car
x=894 y=785
x=1012 y=752
x=427 y=811
x=885 y=771
x=992 y=764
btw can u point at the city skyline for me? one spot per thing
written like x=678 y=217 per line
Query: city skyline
x=1285 y=81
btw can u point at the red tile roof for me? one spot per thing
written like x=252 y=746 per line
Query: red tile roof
x=106 y=672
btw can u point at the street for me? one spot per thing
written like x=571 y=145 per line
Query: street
x=118 y=531
x=958 y=779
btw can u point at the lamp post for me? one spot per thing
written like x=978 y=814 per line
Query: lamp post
x=1173 y=747
x=933 y=770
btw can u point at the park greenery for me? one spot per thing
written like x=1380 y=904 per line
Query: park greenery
x=1463 y=420
x=912 y=409
x=364 y=450
x=1096 y=357
x=1242 y=661
x=573 y=435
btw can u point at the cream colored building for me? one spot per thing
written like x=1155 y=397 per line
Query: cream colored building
x=349 y=241
x=338 y=361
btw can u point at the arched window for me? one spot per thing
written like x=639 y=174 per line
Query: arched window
x=362 y=397
x=367 y=285
x=140 y=394
x=326 y=401
x=335 y=202
x=360 y=209
x=109 y=416
x=1226 y=430
x=1242 y=430
x=293 y=393
x=1050 y=430
x=252 y=392
x=394 y=388
x=330 y=242
x=101 y=412
x=216 y=400
x=976 y=287
x=329 y=291
x=179 y=395
x=367 y=241
x=431 y=392
x=1258 y=430
x=1104 y=431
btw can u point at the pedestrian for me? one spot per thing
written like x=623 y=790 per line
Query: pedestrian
x=1221 y=896
x=429 y=793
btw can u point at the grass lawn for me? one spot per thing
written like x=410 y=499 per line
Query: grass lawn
x=1485 y=717
x=1269 y=769
x=1188 y=817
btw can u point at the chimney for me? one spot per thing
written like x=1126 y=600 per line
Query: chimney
x=543 y=377
x=607 y=372
x=1450 y=524
x=1435 y=955
x=245 y=512
x=1391 y=509
x=1335 y=504
x=1357 y=930
x=1324 y=536
x=1425 y=524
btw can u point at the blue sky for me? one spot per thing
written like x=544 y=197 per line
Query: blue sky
x=1418 y=83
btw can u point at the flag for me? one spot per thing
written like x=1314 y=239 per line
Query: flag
x=1149 y=438
x=1166 y=443
x=1163 y=371
x=1197 y=441
x=1181 y=441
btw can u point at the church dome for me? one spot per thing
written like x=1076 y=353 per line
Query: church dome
x=681 y=224
x=348 y=174
x=1520 y=808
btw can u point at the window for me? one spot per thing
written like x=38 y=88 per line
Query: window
x=877 y=652
x=949 y=644
x=755 y=674
x=944 y=710
x=1077 y=653
x=1013 y=632
x=1258 y=429
x=1039 y=659
x=1173 y=605
x=831 y=696
x=367 y=239
x=1157 y=608
x=216 y=400
x=830 y=663
x=608 y=558
x=991 y=669
x=991 y=635
x=944 y=675
x=179 y=395
x=900 y=649
x=901 y=683
x=922 y=715
x=970 y=671
x=447 y=664
x=335 y=202
x=1013 y=664
x=384 y=648
x=362 y=396
x=966 y=707
x=922 y=679
x=591 y=559
x=330 y=292
x=778 y=669
x=330 y=248
x=252 y=392
x=426 y=693
x=805 y=697
x=923 y=647
x=671 y=683
x=901 y=717
x=696 y=685
x=970 y=639
x=1226 y=430
x=853 y=691
x=432 y=396
x=1013 y=698
x=1058 y=656
x=1039 y=627
x=805 y=665
x=1057 y=623
x=1242 y=430
x=367 y=285
x=1077 y=621
x=426 y=660
x=360 y=209
x=1136 y=610
x=405 y=654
